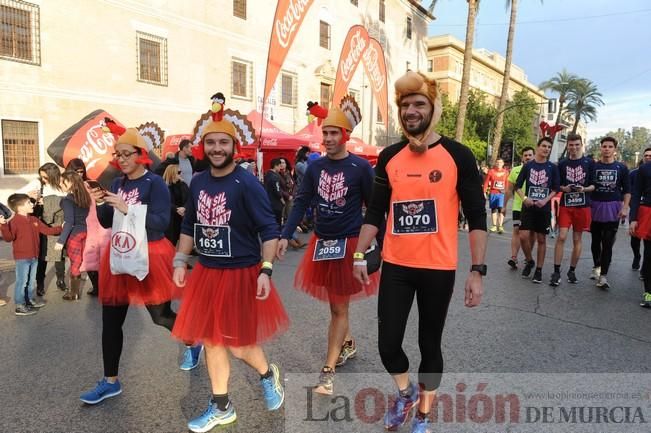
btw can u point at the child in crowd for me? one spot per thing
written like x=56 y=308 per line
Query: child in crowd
x=23 y=231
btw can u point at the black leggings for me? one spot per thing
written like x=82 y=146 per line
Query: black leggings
x=646 y=266
x=603 y=239
x=112 y=337
x=433 y=289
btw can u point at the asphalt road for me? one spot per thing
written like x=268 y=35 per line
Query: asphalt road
x=47 y=360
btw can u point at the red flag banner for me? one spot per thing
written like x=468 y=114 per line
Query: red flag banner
x=287 y=21
x=351 y=53
x=376 y=70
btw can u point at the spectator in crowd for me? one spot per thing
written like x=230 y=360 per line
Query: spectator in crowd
x=179 y=193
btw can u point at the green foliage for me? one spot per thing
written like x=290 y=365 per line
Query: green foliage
x=635 y=140
x=519 y=120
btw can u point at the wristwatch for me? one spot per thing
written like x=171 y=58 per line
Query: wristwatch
x=479 y=268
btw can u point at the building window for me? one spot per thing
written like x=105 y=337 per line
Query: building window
x=430 y=66
x=324 y=34
x=20 y=35
x=288 y=89
x=326 y=95
x=239 y=8
x=381 y=11
x=152 y=58
x=20 y=147
x=354 y=2
x=241 y=72
x=408 y=30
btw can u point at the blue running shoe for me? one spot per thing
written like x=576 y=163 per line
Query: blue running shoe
x=421 y=425
x=191 y=357
x=400 y=408
x=102 y=391
x=212 y=417
x=273 y=391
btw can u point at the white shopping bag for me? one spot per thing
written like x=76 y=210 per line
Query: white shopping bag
x=129 y=251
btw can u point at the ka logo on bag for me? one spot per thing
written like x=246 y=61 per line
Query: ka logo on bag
x=123 y=242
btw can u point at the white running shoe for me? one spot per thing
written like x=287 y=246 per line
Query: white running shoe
x=596 y=272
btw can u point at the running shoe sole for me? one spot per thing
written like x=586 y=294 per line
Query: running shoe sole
x=102 y=398
x=211 y=425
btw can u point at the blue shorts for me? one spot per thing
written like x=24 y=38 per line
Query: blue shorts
x=496 y=201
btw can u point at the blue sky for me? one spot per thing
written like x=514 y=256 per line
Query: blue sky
x=606 y=41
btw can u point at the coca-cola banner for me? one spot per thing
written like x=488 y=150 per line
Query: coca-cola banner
x=287 y=21
x=376 y=71
x=86 y=140
x=351 y=53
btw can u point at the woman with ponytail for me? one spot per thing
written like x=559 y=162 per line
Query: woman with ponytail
x=75 y=207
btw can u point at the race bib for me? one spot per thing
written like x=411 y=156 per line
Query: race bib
x=329 y=249
x=499 y=184
x=537 y=193
x=573 y=199
x=413 y=217
x=212 y=241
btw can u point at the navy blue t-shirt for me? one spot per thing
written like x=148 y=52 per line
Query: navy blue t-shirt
x=576 y=172
x=611 y=181
x=641 y=189
x=542 y=180
x=228 y=217
x=339 y=188
x=149 y=189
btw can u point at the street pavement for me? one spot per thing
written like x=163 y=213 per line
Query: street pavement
x=47 y=360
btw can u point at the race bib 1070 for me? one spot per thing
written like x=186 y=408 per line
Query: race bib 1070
x=414 y=217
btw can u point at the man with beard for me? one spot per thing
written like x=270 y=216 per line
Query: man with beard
x=542 y=182
x=339 y=184
x=419 y=183
x=230 y=303
x=575 y=206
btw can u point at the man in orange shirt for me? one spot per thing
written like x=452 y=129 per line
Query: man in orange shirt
x=418 y=184
x=495 y=186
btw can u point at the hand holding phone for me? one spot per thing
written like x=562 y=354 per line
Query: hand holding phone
x=93 y=184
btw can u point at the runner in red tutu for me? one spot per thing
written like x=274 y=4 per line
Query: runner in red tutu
x=229 y=302
x=640 y=225
x=136 y=186
x=340 y=183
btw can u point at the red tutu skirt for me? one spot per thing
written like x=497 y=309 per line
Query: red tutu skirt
x=643 y=230
x=332 y=280
x=220 y=308
x=157 y=287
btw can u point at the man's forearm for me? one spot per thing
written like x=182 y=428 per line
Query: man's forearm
x=477 y=240
x=185 y=244
x=269 y=250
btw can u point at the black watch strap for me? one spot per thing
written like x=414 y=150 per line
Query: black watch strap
x=265 y=271
x=482 y=269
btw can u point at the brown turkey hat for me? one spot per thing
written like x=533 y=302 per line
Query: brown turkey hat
x=417 y=83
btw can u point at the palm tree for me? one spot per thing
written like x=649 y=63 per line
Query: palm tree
x=583 y=101
x=562 y=83
x=473 y=7
x=497 y=138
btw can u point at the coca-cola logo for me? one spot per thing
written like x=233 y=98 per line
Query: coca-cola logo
x=371 y=61
x=357 y=47
x=96 y=146
x=286 y=26
x=123 y=242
